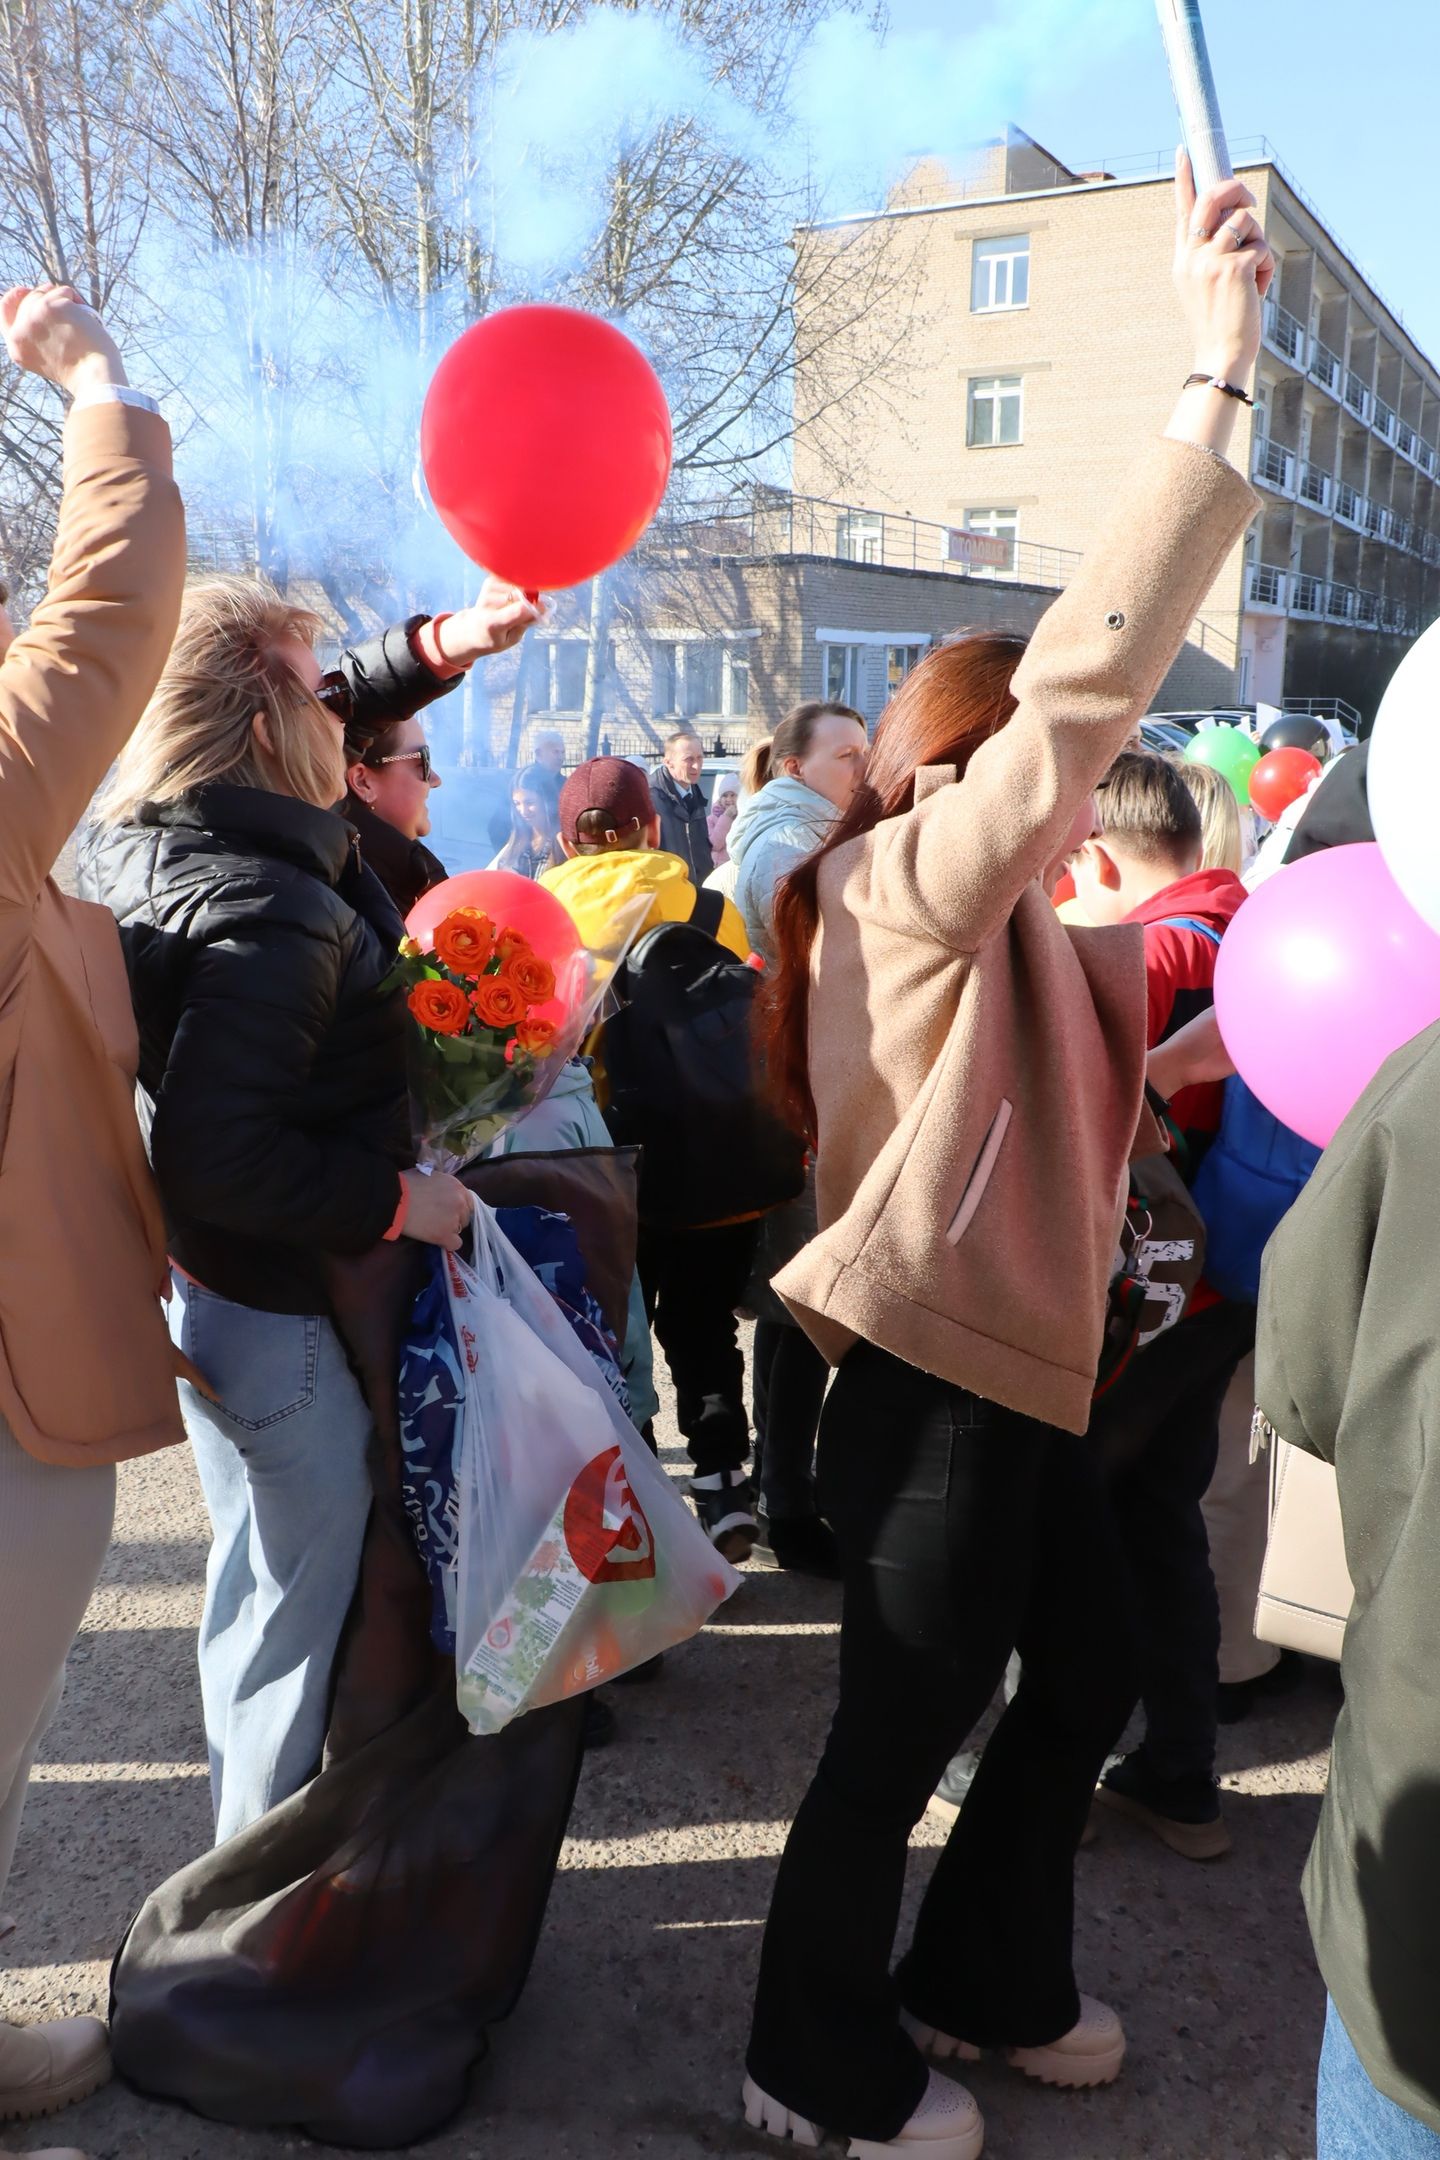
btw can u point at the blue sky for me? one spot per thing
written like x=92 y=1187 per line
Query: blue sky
x=1348 y=95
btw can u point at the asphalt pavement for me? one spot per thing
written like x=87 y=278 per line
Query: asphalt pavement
x=630 y=2036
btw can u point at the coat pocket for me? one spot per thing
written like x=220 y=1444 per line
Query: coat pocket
x=982 y=1172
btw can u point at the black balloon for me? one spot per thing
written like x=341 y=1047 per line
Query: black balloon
x=1298 y=731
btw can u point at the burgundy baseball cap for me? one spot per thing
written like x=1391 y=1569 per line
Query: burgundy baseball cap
x=611 y=785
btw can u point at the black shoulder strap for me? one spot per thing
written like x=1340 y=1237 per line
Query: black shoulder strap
x=709 y=910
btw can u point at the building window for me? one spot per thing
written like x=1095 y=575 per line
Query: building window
x=737 y=683
x=664 y=680
x=995 y=416
x=703 y=677
x=899 y=660
x=860 y=536
x=1000 y=274
x=562 y=675
x=1000 y=525
x=700 y=677
x=840 y=669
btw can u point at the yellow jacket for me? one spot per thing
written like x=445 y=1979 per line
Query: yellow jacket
x=595 y=887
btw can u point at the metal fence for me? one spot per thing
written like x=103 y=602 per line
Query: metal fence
x=771 y=526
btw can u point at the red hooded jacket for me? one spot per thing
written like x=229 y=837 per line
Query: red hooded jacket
x=1180 y=971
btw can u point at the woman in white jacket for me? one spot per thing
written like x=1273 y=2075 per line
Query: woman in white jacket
x=803 y=780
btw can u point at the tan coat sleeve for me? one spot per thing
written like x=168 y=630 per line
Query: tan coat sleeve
x=953 y=868
x=74 y=685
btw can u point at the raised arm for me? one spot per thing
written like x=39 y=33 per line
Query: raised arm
x=410 y=665
x=955 y=867
x=73 y=685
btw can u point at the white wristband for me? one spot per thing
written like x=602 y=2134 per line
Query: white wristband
x=114 y=394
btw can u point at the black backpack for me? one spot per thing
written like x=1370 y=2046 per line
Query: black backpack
x=685 y=1081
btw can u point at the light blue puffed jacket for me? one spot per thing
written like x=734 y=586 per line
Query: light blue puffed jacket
x=777 y=827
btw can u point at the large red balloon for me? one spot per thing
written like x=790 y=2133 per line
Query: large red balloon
x=546 y=444
x=512 y=902
x=1280 y=778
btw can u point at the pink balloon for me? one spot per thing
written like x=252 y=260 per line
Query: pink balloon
x=513 y=903
x=1324 y=972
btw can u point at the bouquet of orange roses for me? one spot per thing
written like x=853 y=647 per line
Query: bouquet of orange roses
x=495 y=1018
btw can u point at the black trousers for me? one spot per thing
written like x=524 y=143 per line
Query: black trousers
x=790 y=1379
x=693 y=1280
x=965 y=1531
x=1166 y=1437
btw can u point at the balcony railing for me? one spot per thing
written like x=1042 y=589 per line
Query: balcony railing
x=1349 y=504
x=1273 y=464
x=1284 y=332
x=1405 y=437
x=1430 y=547
x=775 y=524
x=1357 y=394
x=1367 y=610
x=1424 y=454
x=1265 y=586
x=1377 y=520
x=1315 y=486
x=1307 y=594
x=1340 y=603
x=1384 y=420
x=1326 y=367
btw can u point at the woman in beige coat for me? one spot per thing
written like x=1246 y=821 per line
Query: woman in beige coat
x=972 y=1075
x=87 y=1376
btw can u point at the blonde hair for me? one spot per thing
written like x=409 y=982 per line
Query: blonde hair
x=756 y=769
x=1222 y=842
x=225 y=666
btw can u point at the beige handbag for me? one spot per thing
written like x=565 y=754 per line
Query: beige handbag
x=1305 y=1591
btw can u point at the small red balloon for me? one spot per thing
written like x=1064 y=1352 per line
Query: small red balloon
x=1281 y=778
x=546 y=444
x=516 y=903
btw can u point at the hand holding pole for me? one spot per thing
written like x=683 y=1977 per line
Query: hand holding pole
x=1193 y=82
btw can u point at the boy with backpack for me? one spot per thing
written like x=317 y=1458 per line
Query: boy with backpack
x=678 y=1079
x=1141 y=867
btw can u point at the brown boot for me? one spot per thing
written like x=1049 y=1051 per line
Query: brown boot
x=44 y=2068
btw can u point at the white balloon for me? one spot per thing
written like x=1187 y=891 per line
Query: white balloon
x=1403 y=781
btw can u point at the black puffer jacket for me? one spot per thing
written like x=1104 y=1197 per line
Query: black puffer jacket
x=257 y=945
x=406 y=868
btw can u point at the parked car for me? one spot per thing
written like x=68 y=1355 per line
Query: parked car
x=1163 y=736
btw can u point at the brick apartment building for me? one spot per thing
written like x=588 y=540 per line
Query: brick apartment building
x=1045 y=353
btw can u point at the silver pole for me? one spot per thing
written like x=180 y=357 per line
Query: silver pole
x=1193 y=82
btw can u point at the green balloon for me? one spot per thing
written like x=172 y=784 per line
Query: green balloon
x=1226 y=750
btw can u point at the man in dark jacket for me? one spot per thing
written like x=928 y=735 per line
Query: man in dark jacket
x=1348 y=1368
x=378 y=689
x=680 y=801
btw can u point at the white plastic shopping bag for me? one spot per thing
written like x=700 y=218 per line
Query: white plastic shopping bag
x=577 y=1557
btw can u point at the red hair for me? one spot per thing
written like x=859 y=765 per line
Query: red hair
x=956 y=699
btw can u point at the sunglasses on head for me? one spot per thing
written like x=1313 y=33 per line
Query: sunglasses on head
x=333 y=692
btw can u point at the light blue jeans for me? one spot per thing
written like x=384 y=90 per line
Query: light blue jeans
x=282 y=1462
x=1353 y=2119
